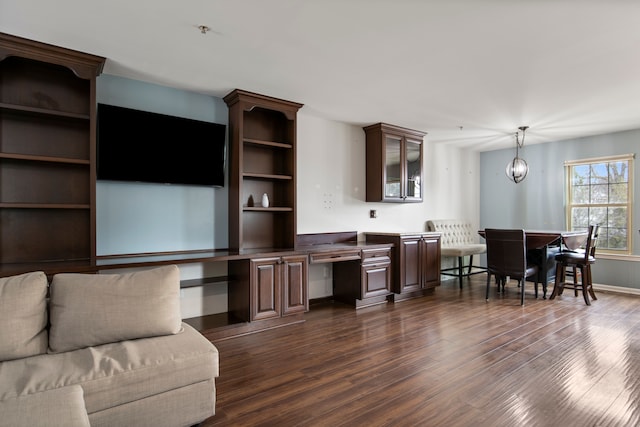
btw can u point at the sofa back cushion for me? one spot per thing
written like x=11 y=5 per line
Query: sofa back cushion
x=23 y=315
x=94 y=309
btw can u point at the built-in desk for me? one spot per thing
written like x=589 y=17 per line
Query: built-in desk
x=266 y=288
x=361 y=271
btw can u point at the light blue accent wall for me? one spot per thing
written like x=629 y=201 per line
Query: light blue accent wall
x=140 y=217
x=539 y=201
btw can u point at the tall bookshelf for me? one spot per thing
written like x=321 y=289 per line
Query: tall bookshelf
x=47 y=152
x=262 y=161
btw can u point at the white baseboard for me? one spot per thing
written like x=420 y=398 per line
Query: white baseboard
x=616 y=289
x=596 y=287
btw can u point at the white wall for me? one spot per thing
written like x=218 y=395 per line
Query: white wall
x=331 y=183
x=331 y=188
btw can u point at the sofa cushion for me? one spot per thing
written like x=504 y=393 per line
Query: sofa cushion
x=117 y=373
x=63 y=407
x=93 y=309
x=23 y=315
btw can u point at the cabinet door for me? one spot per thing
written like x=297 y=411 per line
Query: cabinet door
x=409 y=265
x=430 y=255
x=412 y=173
x=376 y=279
x=265 y=285
x=295 y=284
x=393 y=170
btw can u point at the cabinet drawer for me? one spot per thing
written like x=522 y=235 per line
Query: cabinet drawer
x=376 y=256
x=334 y=256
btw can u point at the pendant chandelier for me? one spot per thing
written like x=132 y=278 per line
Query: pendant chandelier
x=517 y=169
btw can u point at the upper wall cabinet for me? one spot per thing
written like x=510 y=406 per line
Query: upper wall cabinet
x=394 y=164
x=262 y=161
x=47 y=152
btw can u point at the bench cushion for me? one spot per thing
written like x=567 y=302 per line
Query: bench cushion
x=464 y=250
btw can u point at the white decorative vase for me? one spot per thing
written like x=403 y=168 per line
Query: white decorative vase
x=265 y=200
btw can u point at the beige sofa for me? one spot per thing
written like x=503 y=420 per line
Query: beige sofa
x=101 y=350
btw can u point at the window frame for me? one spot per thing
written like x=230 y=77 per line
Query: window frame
x=569 y=205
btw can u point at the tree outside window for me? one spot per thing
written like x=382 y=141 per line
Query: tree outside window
x=599 y=192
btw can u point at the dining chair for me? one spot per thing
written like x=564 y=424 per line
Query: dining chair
x=579 y=261
x=507 y=257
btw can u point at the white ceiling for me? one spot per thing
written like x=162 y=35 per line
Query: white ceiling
x=467 y=72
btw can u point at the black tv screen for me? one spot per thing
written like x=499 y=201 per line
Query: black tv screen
x=141 y=146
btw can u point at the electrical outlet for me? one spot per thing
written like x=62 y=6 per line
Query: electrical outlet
x=373 y=213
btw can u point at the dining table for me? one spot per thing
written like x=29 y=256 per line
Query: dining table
x=539 y=242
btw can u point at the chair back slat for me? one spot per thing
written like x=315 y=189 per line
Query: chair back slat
x=506 y=252
x=592 y=242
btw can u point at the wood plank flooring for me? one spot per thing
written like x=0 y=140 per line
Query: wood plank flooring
x=450 y=359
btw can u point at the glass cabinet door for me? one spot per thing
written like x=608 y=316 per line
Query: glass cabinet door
x=413 y=168
x=393 y=170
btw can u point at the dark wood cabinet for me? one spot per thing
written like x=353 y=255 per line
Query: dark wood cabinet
x=394 y=164
x=365 y=281
x=409 y=265
x=430 y=261
x=295 y=284
x=262 y=160
x=266 y=292
x=47 y=152
x=268 y=287
x=416 y=262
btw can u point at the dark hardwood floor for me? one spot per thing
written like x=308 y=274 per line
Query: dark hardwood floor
x=450 y=359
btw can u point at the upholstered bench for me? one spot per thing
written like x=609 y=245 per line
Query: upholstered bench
x=459 y=239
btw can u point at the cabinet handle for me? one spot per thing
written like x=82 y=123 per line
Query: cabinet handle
x=384 y=264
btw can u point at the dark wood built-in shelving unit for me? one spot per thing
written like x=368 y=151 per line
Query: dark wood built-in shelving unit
x=48 y=199
x=47 y=152
x=262 y=160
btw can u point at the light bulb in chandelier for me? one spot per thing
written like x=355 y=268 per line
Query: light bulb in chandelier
x=517 y=168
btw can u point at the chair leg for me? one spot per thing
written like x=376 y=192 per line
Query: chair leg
x=575 y=280
x=593 y=294
x=460 y=270
x=521 y=283
x=488 y=284
x=584 y=285
x=470 y=264
x=558 y=283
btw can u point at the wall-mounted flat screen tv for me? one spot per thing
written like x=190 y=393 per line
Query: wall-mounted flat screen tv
x=140 y=146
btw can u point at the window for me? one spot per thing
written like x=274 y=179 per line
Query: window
x=600 y=192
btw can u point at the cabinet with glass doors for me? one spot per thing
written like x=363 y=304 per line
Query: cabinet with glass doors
x=394 y=164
